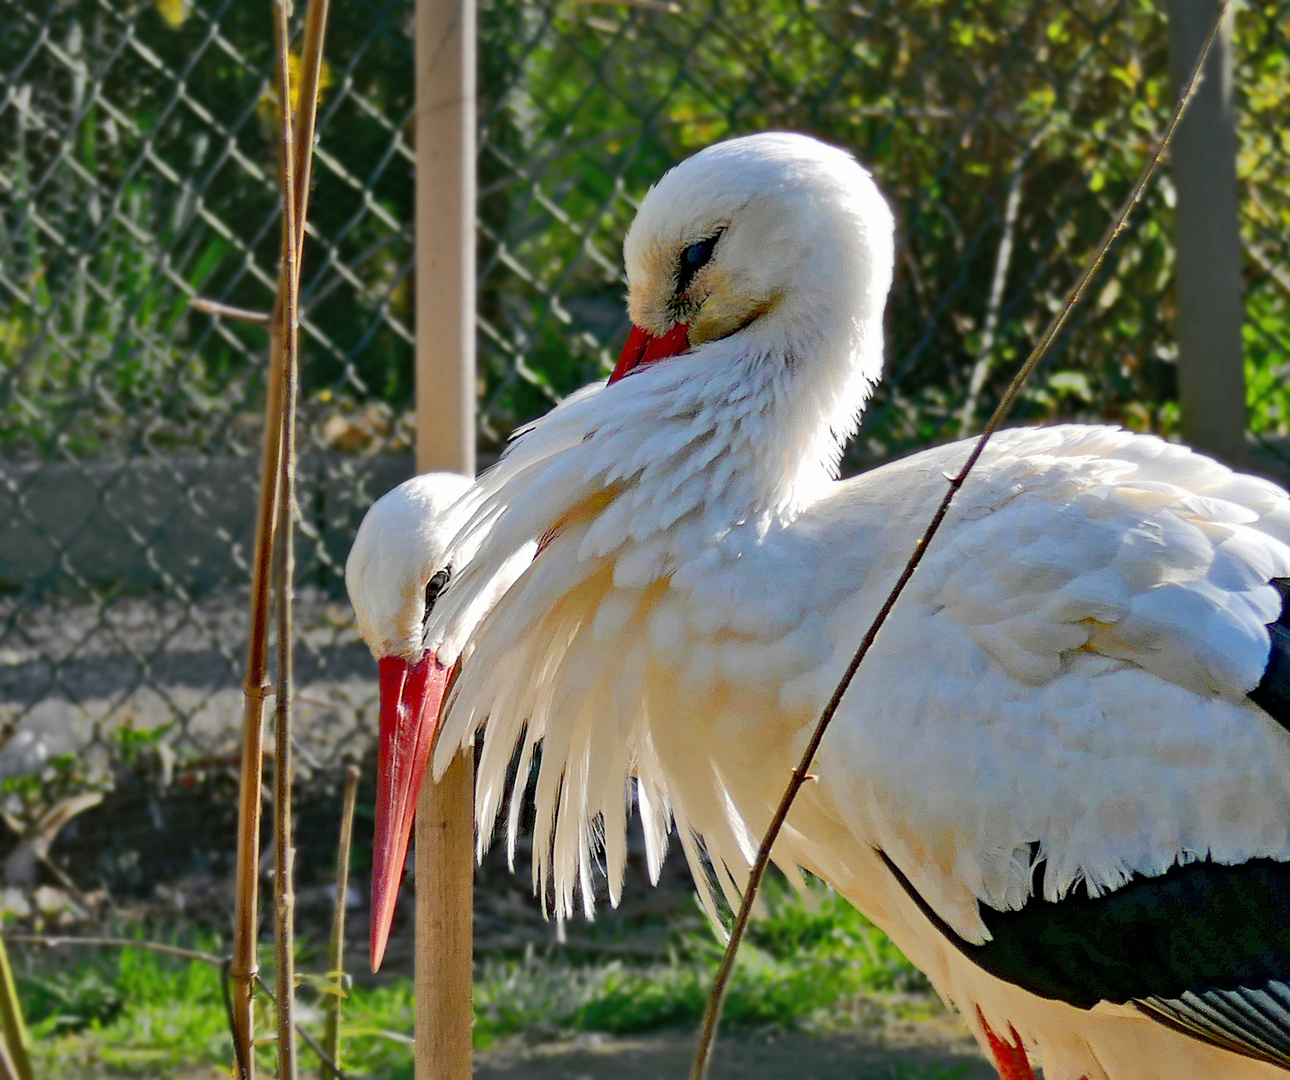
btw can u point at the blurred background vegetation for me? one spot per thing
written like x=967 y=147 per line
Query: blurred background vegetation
x=136 y=149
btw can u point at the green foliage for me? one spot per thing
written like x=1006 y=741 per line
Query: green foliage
x=804 y=963
x=1262 y=77
x=821 y=926
x=111 y=225
x=134 y=745
x=70 y=1001
x=136 y=1008
x=376 y=1030
x=28 y=796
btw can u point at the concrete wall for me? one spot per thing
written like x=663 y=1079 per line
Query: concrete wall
x=144 y=523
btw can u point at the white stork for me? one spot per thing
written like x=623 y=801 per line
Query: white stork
x=1061 y=779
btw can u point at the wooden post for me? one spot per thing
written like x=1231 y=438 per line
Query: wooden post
x=445 y=378
x=1211 y=366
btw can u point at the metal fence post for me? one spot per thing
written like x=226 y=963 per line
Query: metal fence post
x=1211 y=371
x=445 y=393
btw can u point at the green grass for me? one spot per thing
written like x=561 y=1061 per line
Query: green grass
x=131 y=1013
x=138 y=1014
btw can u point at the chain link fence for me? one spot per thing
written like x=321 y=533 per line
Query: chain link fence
x=136 y=151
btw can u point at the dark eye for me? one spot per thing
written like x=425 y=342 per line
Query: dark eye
x=693 y=259
x=437 y=583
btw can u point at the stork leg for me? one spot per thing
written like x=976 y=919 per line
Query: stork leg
x=1009 y=1057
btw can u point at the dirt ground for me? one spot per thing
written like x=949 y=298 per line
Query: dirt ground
x=938 y=1048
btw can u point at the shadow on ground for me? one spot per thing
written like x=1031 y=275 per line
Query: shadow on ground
x=940 y=1049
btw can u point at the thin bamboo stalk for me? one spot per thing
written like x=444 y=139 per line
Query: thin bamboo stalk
x=336 y=954
x=244 y=966
x=283 y=893
x=8 y=1067
x=297 y=148
x=311 y=58
x=56 y=941
x=17 y=1060
x=284 y=766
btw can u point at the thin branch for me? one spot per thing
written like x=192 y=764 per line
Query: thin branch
x=1002 y=262
x=311 y=62
x=15 y=1047
x=328 y=1064
x=1260 y=259
x=658 y=7
x=712 y=1014
x=47 y=941
x=228 y=311
x=336 y=954
x=284 y=853
x=297 y=159
x=244 y=966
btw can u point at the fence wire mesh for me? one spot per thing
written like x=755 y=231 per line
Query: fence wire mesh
x=136 y=150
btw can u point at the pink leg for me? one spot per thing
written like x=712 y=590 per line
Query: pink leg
x=1009 y=1057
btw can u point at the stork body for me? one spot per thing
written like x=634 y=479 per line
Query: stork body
x=1049 y=781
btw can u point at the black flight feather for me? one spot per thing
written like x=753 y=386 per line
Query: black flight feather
x=1272 y=694
x=1204 y=948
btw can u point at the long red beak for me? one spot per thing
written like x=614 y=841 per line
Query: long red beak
x=642 y=348
x=410 y=700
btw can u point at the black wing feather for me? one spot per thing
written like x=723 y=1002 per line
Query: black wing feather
x=1272 y=694
x=1202 y=947
x=1253 y=1023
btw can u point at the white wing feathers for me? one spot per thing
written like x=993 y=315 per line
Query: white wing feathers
x=1123 y=547
x=1066 y=677
x=1086 y=578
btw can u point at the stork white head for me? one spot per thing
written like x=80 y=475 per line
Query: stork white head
x=774 y=250
x=398 y=549
x=394 y=573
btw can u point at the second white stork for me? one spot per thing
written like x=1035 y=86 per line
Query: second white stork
x=1061 y=779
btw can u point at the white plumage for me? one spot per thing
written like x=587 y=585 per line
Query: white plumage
x=662 y=582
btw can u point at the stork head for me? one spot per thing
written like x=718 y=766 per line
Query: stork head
x=394 y=573
x=772 y=250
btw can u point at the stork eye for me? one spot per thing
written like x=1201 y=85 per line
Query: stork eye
x=693 y=259
x=437 y=583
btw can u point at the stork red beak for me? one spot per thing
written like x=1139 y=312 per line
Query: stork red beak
x=642 y=348
x=410 y=700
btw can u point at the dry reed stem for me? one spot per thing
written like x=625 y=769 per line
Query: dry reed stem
x=14 y=1056
x=297 y=157
x=712 y=1013
x=311 y=57
x=336 y=953
x=284 y=854
x=228 y=311
x=244 y=966
x=57 y=941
